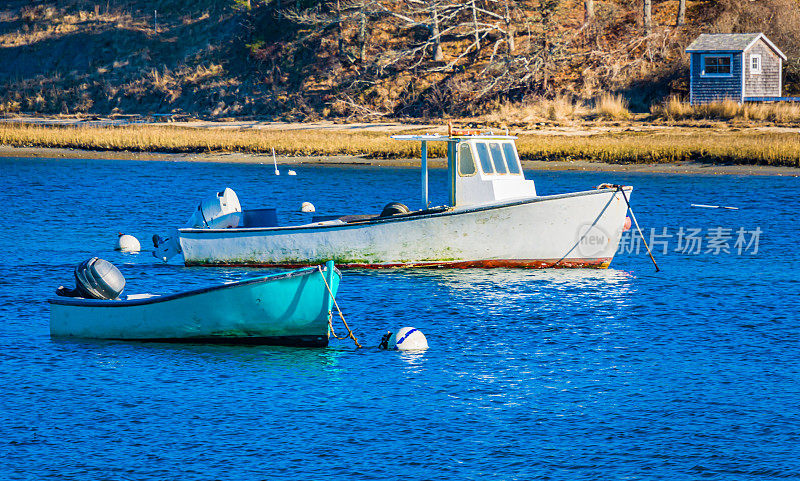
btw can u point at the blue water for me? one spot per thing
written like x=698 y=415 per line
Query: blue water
x=624 y=373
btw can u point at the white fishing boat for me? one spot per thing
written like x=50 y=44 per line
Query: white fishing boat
x=494 y=218
x=291 y=308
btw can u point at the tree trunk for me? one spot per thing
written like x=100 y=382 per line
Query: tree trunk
x=438 y=56
x=339 y=28
x=509 y=29
x=588 y=13
x=475 y=24
x=362 y=37
x=647 y=16
x=681 y=13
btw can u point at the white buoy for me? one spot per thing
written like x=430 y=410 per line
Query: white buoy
x=275 y=162
x=291 y=172
x=307 y=207
x=127 y=243
x=408 y=339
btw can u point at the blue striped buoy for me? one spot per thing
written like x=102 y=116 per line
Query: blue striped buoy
x=408 y=339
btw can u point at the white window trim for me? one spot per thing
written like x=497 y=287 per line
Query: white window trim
x=754 y=56
x=502 y=158
x=515 y=160
x=474 y=157
x=703 y=65
x=479 y=163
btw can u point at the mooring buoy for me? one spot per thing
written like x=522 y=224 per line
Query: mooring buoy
x=407 y=339
x=127 y=243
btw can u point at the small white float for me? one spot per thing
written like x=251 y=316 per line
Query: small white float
x=127 y=243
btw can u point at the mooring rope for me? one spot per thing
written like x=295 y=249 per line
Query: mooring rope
x=633 y=216
x=341 y=316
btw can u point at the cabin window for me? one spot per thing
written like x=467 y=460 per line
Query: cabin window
x=511 y=158
x=497 y=158
x=717 y=65
x=466 y=164
x=755 y=64
x=483 y=156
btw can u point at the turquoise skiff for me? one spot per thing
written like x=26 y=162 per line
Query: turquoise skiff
x=291 y=308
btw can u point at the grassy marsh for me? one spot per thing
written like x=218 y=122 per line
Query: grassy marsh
x=752 y=147
x=730 y=147
x=775 y=112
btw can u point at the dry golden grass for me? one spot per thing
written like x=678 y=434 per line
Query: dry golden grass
x=612 y=107
x=51 y=23
x=738 y=147
x=673 y=108
x=724 y=110
x=734 y=147
x=560 y=109
x=150 y=138
x=778 y=112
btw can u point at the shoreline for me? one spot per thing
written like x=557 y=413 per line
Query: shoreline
x=687 y=150
x=683 y=167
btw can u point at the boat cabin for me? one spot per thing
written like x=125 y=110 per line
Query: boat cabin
x=482 y=168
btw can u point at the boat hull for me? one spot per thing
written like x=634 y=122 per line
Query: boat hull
x=572 y=230
x=285 y=309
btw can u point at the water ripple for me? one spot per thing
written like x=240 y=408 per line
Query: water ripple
x=558 y=374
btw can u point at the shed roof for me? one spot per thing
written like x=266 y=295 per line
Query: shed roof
x=729 y=42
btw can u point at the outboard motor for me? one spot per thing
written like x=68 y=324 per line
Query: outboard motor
x=222 y=211
x=394 y=208
x=219 y=212
x=95 y=279
x=165 y=248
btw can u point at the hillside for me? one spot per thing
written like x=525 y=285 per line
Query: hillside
x=357 y=58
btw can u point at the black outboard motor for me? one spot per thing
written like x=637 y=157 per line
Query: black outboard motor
x=95 y=279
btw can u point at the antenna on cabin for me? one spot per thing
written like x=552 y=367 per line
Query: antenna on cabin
x=275 y=162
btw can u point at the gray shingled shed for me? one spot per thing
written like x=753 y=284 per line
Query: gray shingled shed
x=738 y=66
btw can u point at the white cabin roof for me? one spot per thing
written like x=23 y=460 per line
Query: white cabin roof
x=455 y=136
x=426 y=137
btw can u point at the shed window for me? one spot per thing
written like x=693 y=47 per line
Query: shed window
x=755 y=64
x=497 y=157
x=483 y=156
x=511 y=157
x=717 y=65
x=466 y=164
